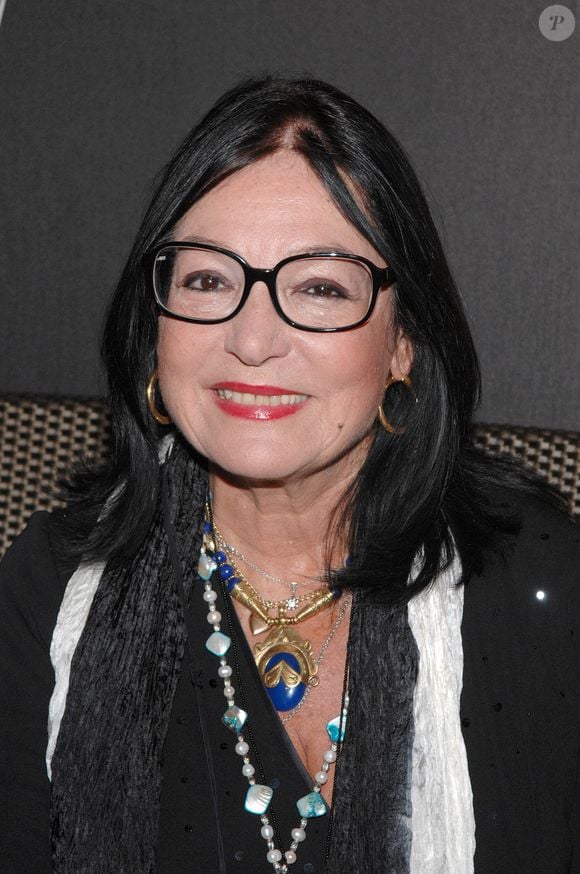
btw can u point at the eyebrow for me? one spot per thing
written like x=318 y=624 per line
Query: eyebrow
x=294 y=250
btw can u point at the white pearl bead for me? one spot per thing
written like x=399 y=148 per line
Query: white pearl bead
x=290 y=856
x=224 y=671
x=273 y=855
x=298 y=834
x=329 y=756
x=213 y=617
x=229 y=691
x=267 y=832
x=242 y=748
x=321 y=777
x=248 y=770
x=210 y=596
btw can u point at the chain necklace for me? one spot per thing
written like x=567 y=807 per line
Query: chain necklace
x=323 y=649
x=285 y=659
x=258 y=797
x=233 y=550
x=282 y=605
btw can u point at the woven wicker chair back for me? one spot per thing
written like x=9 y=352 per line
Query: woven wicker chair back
x=40 y=437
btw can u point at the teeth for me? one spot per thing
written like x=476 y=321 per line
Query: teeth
x=259 y=400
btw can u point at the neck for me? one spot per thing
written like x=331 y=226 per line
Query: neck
x=282 y=527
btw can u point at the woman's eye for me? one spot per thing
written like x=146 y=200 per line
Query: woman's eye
x=204 y=282
x=325 y=290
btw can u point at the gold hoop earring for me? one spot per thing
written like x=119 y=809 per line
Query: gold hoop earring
x=406 y=381
x=159 y=417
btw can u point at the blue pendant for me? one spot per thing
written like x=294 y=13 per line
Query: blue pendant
x=287 y=665
x=311 y=806
x=283 y=681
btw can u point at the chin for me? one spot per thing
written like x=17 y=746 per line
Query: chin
x=256 y=470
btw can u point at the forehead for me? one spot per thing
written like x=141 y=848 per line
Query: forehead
x=273 y=208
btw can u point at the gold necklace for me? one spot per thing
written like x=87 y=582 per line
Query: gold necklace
x=293 y=585
x=284 y=659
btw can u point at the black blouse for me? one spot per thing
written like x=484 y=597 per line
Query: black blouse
x=31 y=589
x=188 y=835
x=520 y=713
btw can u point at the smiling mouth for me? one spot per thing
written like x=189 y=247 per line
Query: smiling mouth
x=252 y=400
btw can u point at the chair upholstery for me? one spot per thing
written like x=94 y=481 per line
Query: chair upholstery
x=41 y=436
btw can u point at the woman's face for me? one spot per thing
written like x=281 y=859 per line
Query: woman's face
x=217 y=381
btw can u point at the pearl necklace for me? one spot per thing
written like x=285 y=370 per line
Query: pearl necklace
x=258 y=797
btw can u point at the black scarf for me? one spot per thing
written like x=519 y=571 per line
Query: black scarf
x=107 y=764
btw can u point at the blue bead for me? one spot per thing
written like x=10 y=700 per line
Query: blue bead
x=232 y=583
x=226 y=571
x=207 y=528
x=220 y=557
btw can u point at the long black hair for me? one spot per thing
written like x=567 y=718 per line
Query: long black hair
x=418 y=484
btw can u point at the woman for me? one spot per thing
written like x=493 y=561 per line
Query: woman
x=295 y=623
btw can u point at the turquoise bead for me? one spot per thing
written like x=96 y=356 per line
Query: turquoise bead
x=311 y=806
x=336 y=729
x=258 y=799
x=218 y=643
x=235 y=718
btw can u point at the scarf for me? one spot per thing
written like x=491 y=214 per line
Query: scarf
x=402 y=800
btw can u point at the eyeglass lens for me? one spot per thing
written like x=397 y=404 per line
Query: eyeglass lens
x=314 y=292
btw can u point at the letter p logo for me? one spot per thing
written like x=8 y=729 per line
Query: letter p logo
x=557 y=23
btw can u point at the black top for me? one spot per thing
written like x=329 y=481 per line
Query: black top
x=32 y=585
x=520 y=715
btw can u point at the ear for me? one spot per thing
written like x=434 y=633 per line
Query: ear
x=402 y=358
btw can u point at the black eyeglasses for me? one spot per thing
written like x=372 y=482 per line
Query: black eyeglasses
x=319 y=291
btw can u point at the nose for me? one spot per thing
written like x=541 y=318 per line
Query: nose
x=258 y=333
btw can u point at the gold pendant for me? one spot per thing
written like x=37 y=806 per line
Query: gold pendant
x=286 y=657
x=257 y=624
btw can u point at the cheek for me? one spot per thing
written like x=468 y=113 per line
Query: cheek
x=180 y=358
x=181 y=349
x=364 y=366
x=171 y=346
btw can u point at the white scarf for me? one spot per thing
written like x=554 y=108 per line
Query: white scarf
x=442 y=821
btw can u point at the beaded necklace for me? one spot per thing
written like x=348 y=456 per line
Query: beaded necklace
x=285 y=659
x=259 y=796
x=293 y=585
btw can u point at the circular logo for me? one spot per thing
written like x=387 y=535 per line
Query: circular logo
x=557 y=23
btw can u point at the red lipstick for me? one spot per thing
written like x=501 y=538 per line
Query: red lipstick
x=257 y=411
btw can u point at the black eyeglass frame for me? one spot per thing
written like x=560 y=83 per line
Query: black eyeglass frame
x=381 y=276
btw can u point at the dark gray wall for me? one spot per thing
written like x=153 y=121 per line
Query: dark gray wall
x=97 y=93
